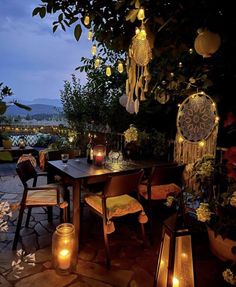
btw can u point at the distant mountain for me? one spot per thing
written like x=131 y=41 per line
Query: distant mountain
x=36 y=109
x=43 y=101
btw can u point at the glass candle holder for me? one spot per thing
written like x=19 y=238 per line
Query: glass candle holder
x=64 y=253
x=99 y=155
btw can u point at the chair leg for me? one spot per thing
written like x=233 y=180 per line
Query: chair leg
x=28 y=217
x=49 y=208
x=107 y=249
x=18 y=227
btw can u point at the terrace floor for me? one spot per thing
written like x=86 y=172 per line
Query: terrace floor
x=132 y=265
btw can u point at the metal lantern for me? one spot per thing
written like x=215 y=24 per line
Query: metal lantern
x=206 y=43
x=64 y=253
x=99 y=154
x=175 y=261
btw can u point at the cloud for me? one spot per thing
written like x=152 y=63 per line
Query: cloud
x=34 y=61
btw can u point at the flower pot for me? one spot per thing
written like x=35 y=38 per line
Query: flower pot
x=7 y=144
x=221 y=248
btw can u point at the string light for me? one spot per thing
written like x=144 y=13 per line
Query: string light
x=94 y=50
x=97 y=63
x=86 y=20
x=90 y=35
x=141 y=14
x=120 y=67
x=108 y=71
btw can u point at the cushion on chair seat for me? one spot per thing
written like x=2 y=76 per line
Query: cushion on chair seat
x=116 y=206
x=159 y=192
x=42 y=197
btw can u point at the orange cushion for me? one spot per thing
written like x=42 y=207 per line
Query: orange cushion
x=42 y=197
x=159 y=192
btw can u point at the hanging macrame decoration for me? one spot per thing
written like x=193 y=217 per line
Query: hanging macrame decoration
x=140 y=55
x=197 y=128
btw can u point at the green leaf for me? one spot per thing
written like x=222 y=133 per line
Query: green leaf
x=54 y=28
x=77 y=32
x=42 y=12
x=22 y=106
x=36 y=11
x=60 y=17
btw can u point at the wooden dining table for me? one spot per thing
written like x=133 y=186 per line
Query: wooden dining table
x=77 y=170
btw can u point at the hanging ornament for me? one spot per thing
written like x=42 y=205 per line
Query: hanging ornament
x=94 y=50
x=108 y=71
x=206 y=43
x=97 y=63
x=141 y=14
x=130 y=106
x=90 y=35
x=123 y=100
x=86 y=20
x=120 y=67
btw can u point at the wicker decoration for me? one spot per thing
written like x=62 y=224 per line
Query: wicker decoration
x=197 y=128
x=139 y=77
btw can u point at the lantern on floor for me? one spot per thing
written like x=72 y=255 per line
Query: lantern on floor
x=99 y=154
x=64 y=253
x=206 y=43
x=175 y=261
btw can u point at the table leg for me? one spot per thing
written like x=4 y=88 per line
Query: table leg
x=76 y=209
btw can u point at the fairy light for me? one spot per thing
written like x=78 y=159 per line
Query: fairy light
x=202 y=143
x=97 y=63
x=120 y=67
x=86 y=20
x=94 y=50
x=141 y=14
x=90 y=35
x=217 y=119
x=108 y=71
x=180 y=139
x=142 y=35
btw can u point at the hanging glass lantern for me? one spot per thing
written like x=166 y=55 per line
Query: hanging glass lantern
x=141 y=14
x=86 y=20
x=108 y=71
x=97 y=63
x=175 y=260
x=120 y=67
x=94 y=50
x=90 y=35
x=64 y=253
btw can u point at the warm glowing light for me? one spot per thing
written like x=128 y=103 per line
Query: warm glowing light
x=175 y=282
x=141 y=14
x=86 y=20
x=120 y=67
x=137 y=31
x=184 y=255
x=180 y=64
x=90 y=35
x=108 y=71
x=97 y=63
x=202 y=143
x=180 y=139
x=217 y=119
x=64 y=258
x=190 y=51
x=71 y=139
x=179 y=105
x=213 y=104
x=142 y=35
x=94 y=50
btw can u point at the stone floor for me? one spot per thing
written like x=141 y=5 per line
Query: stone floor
x=132 y=265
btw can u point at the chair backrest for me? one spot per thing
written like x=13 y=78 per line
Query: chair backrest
x=122 y=184
x=26 y=171
x=167 y=174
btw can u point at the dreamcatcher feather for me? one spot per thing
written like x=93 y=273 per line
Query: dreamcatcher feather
x=139 y=77
x=197 y=129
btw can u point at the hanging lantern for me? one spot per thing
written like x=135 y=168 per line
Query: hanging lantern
x=90 y=35
x=120 y=67
x=64 y=253
x=141 y=14
x=94 y=50
x=206 y=43
x=86 y=20
x=123 y=100
x=97 y=63
x=108 y=71
x=175 y=260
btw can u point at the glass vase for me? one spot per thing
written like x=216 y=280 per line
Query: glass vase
x=64 y=253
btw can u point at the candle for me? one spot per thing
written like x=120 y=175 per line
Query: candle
x=99 y=158
x=64 y=258
x=175 y=282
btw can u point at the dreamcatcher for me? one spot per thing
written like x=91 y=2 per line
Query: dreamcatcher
x=197 y=128
x=140 y=55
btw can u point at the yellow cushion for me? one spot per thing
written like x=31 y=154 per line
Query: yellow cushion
x=42 y=197
x=116 y=206
x=159 y=192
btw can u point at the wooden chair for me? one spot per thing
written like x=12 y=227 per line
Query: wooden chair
x=36 y=196
x=115 y=201
x=163 y=181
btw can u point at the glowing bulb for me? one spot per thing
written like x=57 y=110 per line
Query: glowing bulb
x=120 y=67
x=94 y=50
x=217 y=119
x=90 y=35
x=201 y=143
x=141 y=14
x=180 y=64
x=86 y=20
x=179 y=105
x=97 y=63
x=213 y=104
x=190 y=51
x=108 y=71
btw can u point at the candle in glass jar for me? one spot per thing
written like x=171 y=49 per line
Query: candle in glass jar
x=64 y=258
x=99 y=158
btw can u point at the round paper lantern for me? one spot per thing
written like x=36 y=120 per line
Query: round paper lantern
x=206 y=43
x=123 y=100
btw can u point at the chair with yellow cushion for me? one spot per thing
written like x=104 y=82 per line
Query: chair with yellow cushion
x=115 y=201
x=48 y=195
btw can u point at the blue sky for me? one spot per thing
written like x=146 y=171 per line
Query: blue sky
x=34 y=61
